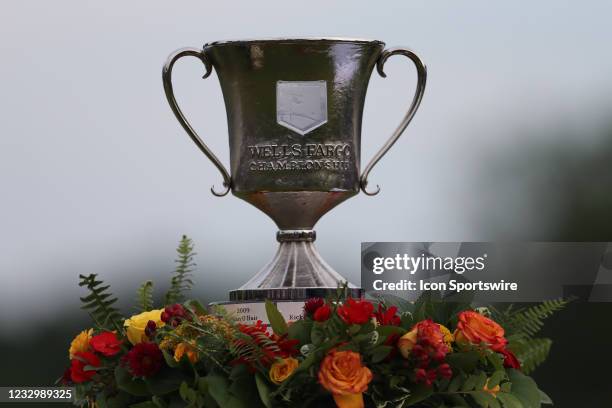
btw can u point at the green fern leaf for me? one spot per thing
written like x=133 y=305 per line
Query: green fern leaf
x=145 y=296
x=532 y=352
x=523 y=324
x=181 y=281
x=99 y=304
x=527 y=322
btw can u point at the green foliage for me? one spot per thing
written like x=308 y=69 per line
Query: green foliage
x=527 y=322
x=145 y=296
x=99 y=304
x=181 y=280
x=525 y=389
x=253 y=348
x=522 y=325
x=531 y=351
x=479 y=389
x=237 y=391
x=277 y=321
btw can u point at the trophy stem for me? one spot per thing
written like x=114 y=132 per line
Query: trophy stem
x=296 y=272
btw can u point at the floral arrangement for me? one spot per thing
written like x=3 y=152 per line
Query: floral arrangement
x=345 y=352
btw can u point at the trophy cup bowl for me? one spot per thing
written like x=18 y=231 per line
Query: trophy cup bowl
x=294 y=111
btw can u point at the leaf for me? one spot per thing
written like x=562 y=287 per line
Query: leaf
x=277 y=321
x=145 y=296
x=181 y=279
x=465 y=362
x=127 y=383
x=317 y=334
x=496 y=378
x=186 y=393
x=196 y=307
x=458 y=401
x=496 y=360
x=481 y=381
x=166 y=381
x=384 y=332
x=484 y=399
x=456 y=383
x=169 y=358
x=218 y=386
x=264 y=390
x=545 y=399
x=245 y=389
x=159 y=402
x=300 y=330
x=146 y=404
x=531 y=352
x=509 y=400
x=525 y=389
x=99 y=304
x=379 y=353
x=119 y=400
x=470 y=383
x=526 y=322
x=418 y=393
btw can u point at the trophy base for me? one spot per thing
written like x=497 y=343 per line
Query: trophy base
x=297 y=272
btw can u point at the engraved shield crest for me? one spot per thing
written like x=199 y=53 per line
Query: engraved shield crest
x=301 y=105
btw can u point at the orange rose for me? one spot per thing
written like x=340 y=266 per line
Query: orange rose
x=282 y=369
x=343 y=374
x=186 y=349
x=475 y=328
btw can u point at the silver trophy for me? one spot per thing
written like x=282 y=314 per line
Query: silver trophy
x=294 y=110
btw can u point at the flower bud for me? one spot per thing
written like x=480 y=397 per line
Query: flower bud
x=406 y=343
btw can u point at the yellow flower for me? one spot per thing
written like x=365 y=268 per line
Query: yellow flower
x=80 y=343
x=185 y=349
x=282 y=369
x=448 y=336
x=493 y=391
x=136 y=325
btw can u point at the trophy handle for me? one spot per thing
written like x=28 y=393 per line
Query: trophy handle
x=416 y=101
x=167 y=78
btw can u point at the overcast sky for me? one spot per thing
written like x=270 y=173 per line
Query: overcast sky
x=96 y=174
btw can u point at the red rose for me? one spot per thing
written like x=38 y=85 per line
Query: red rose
x=106 y=343
x=144 y=359
x=510 y=360
x=387 y=316
x=322 y=313
x=78 y=373
x=356 y=311
x=311 y=305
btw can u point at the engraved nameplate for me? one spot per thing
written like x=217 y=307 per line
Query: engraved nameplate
x=301 y=105
x=331 y=156
x=251 y=312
